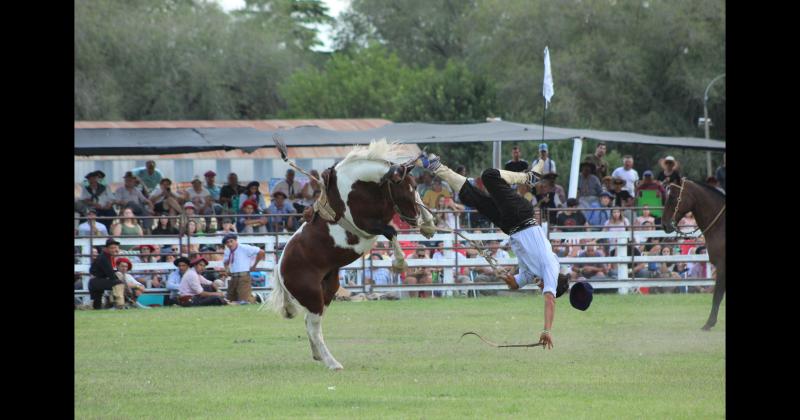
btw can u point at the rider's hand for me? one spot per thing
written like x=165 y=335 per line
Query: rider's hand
x=546 y=340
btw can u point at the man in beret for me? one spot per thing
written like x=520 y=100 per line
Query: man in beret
x=174 y=279
x=104 y=277
x=196 y=290
x=240 y=260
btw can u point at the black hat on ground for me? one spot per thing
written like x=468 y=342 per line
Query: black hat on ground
x=580 y=296
x=182 y=259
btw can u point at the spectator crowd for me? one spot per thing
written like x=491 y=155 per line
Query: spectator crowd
x=147 y=204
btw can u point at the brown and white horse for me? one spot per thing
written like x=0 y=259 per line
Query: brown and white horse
x=707 y=204
x=363 y=192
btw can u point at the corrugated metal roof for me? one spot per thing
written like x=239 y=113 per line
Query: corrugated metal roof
x=351 y=124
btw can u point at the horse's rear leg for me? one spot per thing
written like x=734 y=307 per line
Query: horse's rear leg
x=315 y=295
x=719 y=291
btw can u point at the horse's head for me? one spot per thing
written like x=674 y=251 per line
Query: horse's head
x=678 y=203
x=401 y=191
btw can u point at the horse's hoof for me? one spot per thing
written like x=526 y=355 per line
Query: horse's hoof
x=706 y=327
x=317 y=358
x=336 y=367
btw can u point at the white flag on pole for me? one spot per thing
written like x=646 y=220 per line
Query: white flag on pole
x=547 y=89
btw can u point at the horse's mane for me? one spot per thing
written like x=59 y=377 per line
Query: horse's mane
x=380 y=150
x=712 y=189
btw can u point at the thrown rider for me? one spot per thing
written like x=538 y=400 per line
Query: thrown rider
x=514 y=216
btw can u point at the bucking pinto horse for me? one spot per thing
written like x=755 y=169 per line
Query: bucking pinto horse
x=708 y=206
x=361 y=195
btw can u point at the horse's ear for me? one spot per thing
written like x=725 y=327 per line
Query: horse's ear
x=394 y=174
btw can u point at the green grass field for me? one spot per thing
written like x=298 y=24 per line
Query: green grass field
x=629 y=356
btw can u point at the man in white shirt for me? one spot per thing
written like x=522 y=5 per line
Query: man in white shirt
x=627 y=173
x=196 y=290
x=90 y=226
x=240 y=260
x=290 y=186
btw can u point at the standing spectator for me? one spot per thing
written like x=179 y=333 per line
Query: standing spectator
x=600 y=217
x=128 y=226
x=543 y=165
x=649 y=184
x=419 y=275
x=720 y=173
x=129 y=196
x=252 y=193
x=600 y=168
x=104 y=277
x=229 y=194
x=98 y=197
x=196 y=290
x=290 y=187
x=589 y=187
x=627 y=173
x=622 y=198
x=669 y=171
x=201 y=197
x=516 y=164
x=90 y=226
x=570 y=219
x=150 y=176
x=213 y=189
x=240 y=260
x=252 y=221
x=280 y=205
x=166 y=200
x=432 y=195
x=165 y=226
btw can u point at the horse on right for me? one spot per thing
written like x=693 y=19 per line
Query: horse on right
x=708 y=206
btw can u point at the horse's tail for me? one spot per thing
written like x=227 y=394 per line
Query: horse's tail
x=280 y=300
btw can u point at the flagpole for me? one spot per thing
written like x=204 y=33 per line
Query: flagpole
x=544 y=111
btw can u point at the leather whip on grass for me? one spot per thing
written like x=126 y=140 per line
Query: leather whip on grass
x=493 y=344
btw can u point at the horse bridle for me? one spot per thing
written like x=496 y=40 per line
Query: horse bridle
x=677 y=206
x=410 y=220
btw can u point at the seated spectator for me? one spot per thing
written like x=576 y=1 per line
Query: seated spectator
x=90 y=226
x=687 y=224
x=227 y=226
x=698 y=270
x=149 y=175
x=591 y=271
x=379 y=276
x=214 y=190
x=713 y=182
x=607 y=182
x=650 y=184
x=424 y=182
x=166 y=200
x=151 y=278
x=432 y=195
x=190 y=210
x=128 y=226
x=669 y=171
x=165 y=226
x=448 y=219
x=229 y=194
x=646 y=217
x=279 y=206
x=546 y=196
x=252 y=193
x=252 y=221
x=290 y=187
x=96 y=196
x=310 y=193
x=196 y=290
x=198 y=195
x=419 y=275
x=134 y=288
x=622 y=198
x=667 y=270
x=174 y=279
x=589 y=187
x=524 y=190
x=129 y=196
x=601 y=216
x=570 y=219
x=617 y=222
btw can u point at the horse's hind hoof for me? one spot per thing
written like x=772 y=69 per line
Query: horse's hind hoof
x=706 y=327
x=336 y=367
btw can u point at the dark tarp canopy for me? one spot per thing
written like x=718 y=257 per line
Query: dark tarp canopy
x=141 y=141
